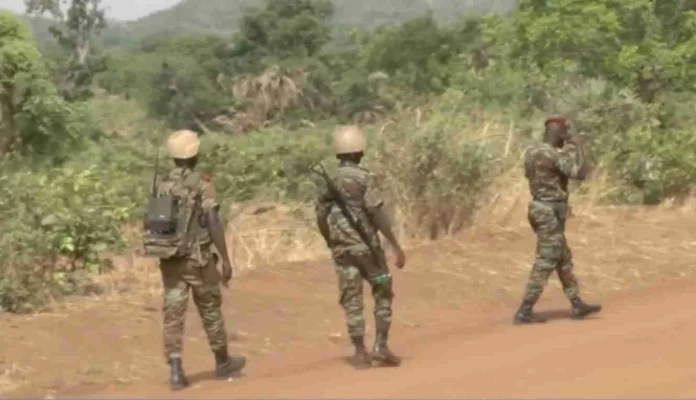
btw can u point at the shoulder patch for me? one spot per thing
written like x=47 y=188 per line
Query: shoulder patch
x=206 y=177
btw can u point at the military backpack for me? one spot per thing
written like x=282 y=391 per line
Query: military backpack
x=172 y=216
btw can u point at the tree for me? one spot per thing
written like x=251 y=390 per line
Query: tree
x=283 y=30
x=644 y=44
x=33 y=117
x=75 y=31
x=183 y=94
x=415 y=52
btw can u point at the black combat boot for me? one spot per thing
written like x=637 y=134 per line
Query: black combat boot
x=226 y=365
x=381 y=351
x=582 y=309
x=177 y=378
x=525 y=315
x=361 y=359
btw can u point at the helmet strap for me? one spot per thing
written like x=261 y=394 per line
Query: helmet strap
x=351 y=157
x=189 y=163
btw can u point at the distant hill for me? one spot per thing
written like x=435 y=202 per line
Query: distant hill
x=221 y=16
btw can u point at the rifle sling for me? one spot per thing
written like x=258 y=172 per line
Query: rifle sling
x=343 y=207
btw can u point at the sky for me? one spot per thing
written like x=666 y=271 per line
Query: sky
x=124 y=10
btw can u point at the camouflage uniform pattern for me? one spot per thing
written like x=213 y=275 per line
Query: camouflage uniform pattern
x=548 y=170
x=199 y=274
x=353 y=259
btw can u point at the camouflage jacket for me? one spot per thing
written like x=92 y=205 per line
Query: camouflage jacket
x=548 y=170
x=359 y=188
x=206 y=192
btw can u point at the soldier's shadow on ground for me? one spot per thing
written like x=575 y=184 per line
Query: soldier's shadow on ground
x=204 y=376
x=348 y=360
x=564 y=314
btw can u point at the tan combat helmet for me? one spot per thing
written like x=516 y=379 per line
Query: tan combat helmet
x=183 y=144
x=348 y=139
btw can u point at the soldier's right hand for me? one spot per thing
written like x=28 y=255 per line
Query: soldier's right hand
x=576 y=139
x=400 y=257
x=226 y=272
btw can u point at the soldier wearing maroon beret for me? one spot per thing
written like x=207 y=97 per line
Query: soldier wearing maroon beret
x=548 y=168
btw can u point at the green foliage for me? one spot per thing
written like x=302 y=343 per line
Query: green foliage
x=75 y=32
x=127 y=73
x=644 y=45
x=190 y=85
x=417 y=53
x=35 y=120
x=618 y=70
x=54 y=224
x=268 y=164
x=283 y=29
x=181 y=93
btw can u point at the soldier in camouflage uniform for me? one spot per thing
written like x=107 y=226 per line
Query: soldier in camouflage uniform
x=354 y=262
x=548 y=168
x=196 y=273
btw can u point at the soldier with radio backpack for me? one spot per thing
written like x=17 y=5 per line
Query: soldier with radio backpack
x=181 y=224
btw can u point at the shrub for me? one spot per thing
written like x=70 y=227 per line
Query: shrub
x=55 y=222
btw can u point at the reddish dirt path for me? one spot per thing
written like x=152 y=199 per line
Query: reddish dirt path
x=452 y=324
x=641 y=346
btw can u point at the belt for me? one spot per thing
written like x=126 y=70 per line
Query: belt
x=551 y=201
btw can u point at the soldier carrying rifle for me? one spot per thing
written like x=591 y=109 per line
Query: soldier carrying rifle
x=350 y=215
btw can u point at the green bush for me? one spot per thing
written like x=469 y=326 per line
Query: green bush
x=56 y=220
x=54 y=223
x=272 y=164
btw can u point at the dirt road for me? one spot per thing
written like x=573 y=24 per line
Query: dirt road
x=641 y=346
x=453 y=309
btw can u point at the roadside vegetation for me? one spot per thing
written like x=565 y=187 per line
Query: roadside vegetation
x=449 y=107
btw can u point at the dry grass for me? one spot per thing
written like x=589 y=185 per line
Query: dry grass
x=266 y=234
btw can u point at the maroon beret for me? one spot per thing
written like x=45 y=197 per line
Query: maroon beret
x=556 y=120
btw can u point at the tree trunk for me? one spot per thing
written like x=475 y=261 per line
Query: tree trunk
x=8 y=127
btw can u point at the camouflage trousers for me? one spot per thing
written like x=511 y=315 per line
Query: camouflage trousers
x=351 y=269
x=179 y=276
x=548 y=221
